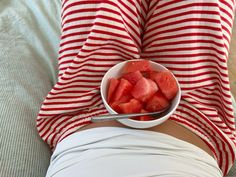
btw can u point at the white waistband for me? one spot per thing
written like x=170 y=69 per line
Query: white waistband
x=114 y=151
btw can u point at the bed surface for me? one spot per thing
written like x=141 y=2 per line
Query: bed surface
x=29 y=39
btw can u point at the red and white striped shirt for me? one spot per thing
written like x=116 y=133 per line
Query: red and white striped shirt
x=191 y=38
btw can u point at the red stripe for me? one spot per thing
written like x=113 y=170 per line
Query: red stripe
x=78 y=3
x=141 y=18
x=184 y=20
x=89 y=102
x=136 y=31
x=53 y=123
x=71 y=27
x=155 y=36
x=123 y=43
x=212 y=105
x=69 y=127
x=207 y=78
x=195 y=61
x=219 y=90
x=189 y=75
x=76 y=86
x=54 y=92
x=177 y=49
x=191 y=41
x=177 y=56
x=71 y=55
x=71 y=42
x=213 y=99
x=219 y=96
x=121 y=47
x=183 y=6
x=119 y=51
x=74 y=34
x=95 y=10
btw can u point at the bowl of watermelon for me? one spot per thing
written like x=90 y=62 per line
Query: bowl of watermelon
x=139 y=86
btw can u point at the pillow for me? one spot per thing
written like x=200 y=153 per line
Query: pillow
x=29 y=39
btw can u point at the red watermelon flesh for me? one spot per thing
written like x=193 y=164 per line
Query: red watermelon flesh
x=152 y=74
x=113 y=83
x=144 y=89
x=115 y=106
x=158 y=102
x=123 y=88
x=125 y=98
x=140 y=65
x=133 y=77
x=141 y=89
x=166 y=82
x=133 y=106
x=144 y=118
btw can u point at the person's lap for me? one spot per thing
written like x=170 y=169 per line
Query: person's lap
x=176 y=47
x=150 y=27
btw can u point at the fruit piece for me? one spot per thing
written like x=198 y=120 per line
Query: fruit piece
x=149 y=74
x=123 y=88
x=140 y=65
x=133 y=106
x=144 y=118
x=144 y=89
x=157 y=102
x=115 y=106
x=152 y=74
x=133 y=77
x=113 y=83
x=125 y=98
x=166 y=82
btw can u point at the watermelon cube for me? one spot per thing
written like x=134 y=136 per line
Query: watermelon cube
x=166 y=82
x=158 y=102
x=133 y=77
x=144 y=118
x=133 y=106
x=138 y=65
x=113 y=83
x=123 y=88
x=144 y=89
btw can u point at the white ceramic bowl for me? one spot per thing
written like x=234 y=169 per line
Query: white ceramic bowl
x=115 y=72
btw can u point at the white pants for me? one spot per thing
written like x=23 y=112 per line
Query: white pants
x=122 y=152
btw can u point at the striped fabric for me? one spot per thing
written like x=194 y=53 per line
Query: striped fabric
x=191 y=38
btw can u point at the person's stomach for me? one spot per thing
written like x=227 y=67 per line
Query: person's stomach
x=168 y=127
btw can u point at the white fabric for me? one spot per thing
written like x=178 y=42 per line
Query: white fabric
x=121 y=152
